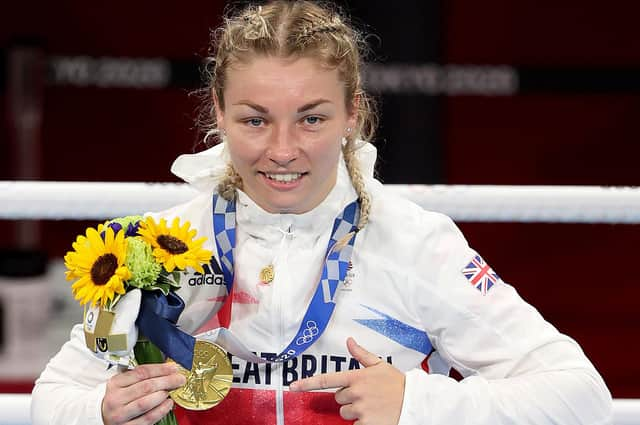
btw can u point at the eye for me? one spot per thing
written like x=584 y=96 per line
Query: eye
x=254 y=122
x=313 y=120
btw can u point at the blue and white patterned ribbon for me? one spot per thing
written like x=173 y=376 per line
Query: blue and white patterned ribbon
x=334 y=271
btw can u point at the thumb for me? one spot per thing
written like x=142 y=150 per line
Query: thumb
x=365 y=358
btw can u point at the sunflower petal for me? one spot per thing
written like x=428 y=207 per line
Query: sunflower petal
x=123 y=273
x=109 y=237
x=181 y=261
x=170 y=264
x=96 y=244
x=198 y=267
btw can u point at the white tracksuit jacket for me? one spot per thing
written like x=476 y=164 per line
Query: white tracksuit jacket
x=411 y=289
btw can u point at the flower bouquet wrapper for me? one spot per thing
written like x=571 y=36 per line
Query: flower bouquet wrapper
x=112 y=334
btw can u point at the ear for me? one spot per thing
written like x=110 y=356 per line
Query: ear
x=353 y=112
x=218 y=110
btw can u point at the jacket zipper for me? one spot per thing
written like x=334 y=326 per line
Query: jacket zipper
x=282 y=274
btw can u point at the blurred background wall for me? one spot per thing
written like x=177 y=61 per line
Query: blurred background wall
x=493 y=92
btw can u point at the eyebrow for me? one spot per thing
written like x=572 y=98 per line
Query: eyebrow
x=253 y=106
x=312 y=105
x=264 y=110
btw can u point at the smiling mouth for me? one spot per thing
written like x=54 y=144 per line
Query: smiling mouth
x=284 y=177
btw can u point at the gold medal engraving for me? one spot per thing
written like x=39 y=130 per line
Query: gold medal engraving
x=267 y=274
x=209 y=379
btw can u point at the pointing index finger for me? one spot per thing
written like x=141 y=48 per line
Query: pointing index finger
x=322 y=381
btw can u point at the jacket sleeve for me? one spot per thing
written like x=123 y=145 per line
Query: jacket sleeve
x=517 y=367
x=71 y=388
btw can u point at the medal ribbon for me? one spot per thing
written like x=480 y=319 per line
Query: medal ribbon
x=157 y=321
x=334 y=270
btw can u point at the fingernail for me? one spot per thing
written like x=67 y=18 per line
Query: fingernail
x=294 y=386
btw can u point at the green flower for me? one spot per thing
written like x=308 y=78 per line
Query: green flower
x=141 y=263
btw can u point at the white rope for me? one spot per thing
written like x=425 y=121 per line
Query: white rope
x=95 y=200
x=626 y=411
x=15 y=410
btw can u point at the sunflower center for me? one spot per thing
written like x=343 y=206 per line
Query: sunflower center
x=171 y=244
x=103 y=268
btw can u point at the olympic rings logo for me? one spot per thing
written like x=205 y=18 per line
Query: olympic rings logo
x=308 y=334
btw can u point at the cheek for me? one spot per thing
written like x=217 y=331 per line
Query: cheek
x=242 y=154
x=332 y=148
x=327 y=155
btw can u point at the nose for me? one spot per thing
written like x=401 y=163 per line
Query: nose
x=283 y=147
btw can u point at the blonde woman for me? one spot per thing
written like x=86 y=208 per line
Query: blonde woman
x=369 y=337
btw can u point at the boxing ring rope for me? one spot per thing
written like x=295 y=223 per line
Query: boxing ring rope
x=35 y=200
x=552 y=204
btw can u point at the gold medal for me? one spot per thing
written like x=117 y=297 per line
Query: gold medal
x=209 y=379
x=267 y=274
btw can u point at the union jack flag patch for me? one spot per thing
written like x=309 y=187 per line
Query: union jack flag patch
x=480 y=275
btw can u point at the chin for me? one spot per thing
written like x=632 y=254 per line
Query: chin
x=293 y=202
x=291 y=207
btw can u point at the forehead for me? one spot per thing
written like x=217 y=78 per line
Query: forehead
x=272 y=78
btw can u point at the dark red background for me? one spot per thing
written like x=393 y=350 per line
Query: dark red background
x=580 y=276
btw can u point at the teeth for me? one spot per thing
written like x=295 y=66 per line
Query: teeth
x=284 y=177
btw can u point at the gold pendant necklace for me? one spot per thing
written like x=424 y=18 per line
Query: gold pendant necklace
x=267 y=274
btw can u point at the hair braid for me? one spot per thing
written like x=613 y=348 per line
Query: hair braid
x=358 y=183
x=313 y=28
x=256 y=25
x=229 y=183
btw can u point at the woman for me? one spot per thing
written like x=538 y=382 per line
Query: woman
x=287 y=103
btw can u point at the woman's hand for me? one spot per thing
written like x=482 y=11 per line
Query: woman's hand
x=140 y=396
x=370 y=396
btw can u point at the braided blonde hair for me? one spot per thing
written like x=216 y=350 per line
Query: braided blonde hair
x=302 y=28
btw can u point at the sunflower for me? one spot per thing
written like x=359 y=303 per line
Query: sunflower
x=174 y=247
x=98 y=266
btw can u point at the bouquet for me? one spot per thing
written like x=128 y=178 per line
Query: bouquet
x=120 y=256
